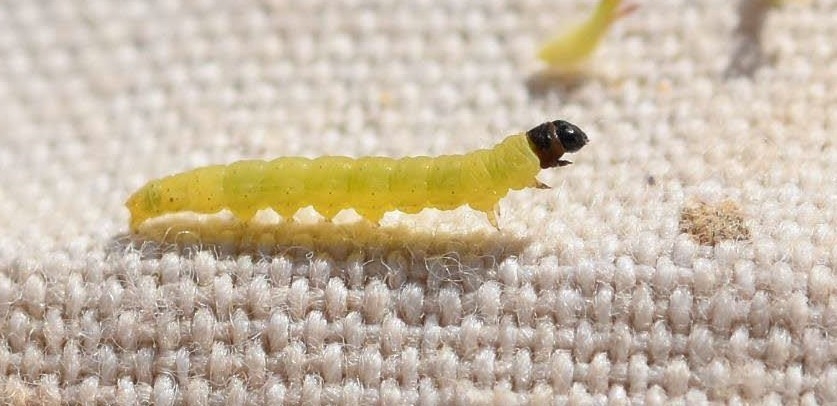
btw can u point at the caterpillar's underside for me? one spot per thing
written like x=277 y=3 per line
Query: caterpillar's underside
x=371 y=186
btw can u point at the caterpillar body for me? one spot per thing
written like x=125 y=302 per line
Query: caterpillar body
x=570 y=49
x=371 y=186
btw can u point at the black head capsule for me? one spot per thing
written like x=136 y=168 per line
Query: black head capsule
x=550 y=140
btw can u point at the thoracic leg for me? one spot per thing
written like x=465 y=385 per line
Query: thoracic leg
x=492 y=211
x=496 y=216
x=492 y=218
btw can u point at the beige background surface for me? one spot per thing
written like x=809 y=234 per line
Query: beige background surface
x=591 y=293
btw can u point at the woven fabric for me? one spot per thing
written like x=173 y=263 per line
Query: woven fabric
x=687 y=255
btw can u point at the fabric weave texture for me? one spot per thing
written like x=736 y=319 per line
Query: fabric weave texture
x=594 y=292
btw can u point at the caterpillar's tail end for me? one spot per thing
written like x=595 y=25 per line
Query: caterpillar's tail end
x=136 y=212
x=134 y=226
x=626 y=10
x=550 y=140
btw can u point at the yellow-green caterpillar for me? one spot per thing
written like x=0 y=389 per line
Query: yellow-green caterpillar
x=570 y=49
x=371 y=186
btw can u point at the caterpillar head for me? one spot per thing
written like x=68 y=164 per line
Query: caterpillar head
x=550 y=140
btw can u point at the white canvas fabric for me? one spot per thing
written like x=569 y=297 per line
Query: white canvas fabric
x=592 y=292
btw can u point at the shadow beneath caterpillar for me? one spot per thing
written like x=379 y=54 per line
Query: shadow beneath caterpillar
x=225 y=239
x=354 y=253
x=748 y=53
x=546 y=81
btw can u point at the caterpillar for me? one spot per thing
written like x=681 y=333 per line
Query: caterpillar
x=571 y=48
x=371 y=186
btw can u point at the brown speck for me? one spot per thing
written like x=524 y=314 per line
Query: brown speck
x=710 y=224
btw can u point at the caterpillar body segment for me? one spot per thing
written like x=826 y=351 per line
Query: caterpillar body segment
x=571 y=48
x=371 y=186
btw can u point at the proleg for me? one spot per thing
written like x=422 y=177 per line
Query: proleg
x=571 y=48
x=372 y=186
